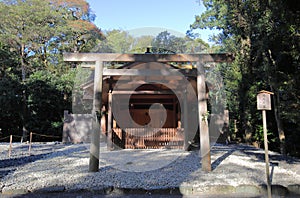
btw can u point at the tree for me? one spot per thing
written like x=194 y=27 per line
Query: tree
x=116 y=41
x=10 y=93
x=264 y=37
x=141 y=43
x=167 y=41
x=119 y=41
x=38 y=32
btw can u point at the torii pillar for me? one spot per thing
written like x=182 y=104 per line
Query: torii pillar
x=96 y=131
x=203 y=122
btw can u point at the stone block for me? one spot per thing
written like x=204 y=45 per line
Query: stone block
x=186 y=190
x=294 y=189
x=12 y=191
x=214 y=189
x=248 y=189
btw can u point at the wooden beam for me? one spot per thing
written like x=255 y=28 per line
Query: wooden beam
x=203 y=122
x=144 y=93
x=149 y=103
x=95 y=138
x=113 y=57
x=143 y=82
x=149 y=72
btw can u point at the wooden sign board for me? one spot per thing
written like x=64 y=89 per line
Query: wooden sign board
x=264 y=100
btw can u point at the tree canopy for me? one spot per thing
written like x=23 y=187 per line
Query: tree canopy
x=119 y=41
x=35 y=83
x=264 y=35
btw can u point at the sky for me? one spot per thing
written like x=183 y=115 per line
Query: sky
x=148 y=17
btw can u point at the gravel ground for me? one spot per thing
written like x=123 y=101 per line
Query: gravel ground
x=65 y=167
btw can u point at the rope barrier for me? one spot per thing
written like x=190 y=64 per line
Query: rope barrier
x=46 y=135
x=30 y=142
x=32 y=133
x=17 y=136
x=4 y=138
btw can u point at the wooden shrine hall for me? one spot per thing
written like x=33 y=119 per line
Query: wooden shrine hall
x=148 y=101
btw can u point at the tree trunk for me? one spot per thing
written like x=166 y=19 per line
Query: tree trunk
x=24 y=109
x=244 y=122
x=276 y=102
x=280 y=130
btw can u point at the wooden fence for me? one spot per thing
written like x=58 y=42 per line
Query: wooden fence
x=147 y=138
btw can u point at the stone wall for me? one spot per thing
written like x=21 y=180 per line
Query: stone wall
x=77 y=128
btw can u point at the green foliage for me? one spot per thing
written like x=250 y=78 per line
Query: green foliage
x=43 y=102
x=141 y=43
x=81 y=106
x=167 y=41
x=264 y=36
x=259 y=136
x=35 y=83
x=118 y=41
x=217 y=92
x=11 y=102
x=46 y=101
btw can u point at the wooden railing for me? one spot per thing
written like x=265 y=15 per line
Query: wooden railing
x=145 y=138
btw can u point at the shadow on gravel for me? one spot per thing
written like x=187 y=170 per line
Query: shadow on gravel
x=277 y=157
x=218 y=161
x=9 y=165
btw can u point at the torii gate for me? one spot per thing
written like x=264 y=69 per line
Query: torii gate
x=99 y=58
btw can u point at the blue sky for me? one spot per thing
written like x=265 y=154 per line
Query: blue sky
x=152 y=16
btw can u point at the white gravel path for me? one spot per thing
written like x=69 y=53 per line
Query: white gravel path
x=67 y=165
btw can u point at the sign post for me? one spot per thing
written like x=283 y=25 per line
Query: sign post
x=264 y=103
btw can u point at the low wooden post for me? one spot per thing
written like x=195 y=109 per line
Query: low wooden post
x=10 y=145
x=109 y=123
x=103 y=121
x=264 y=103
x=30 y=142
x=235 y=128
x=114 y=123
x=185 y=121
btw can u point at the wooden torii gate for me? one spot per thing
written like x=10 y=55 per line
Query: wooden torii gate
x=99 y=58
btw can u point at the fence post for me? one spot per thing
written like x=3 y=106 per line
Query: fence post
x=10 y=146
x=30 y=141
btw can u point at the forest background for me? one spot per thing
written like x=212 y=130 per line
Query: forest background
x=36 y=85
